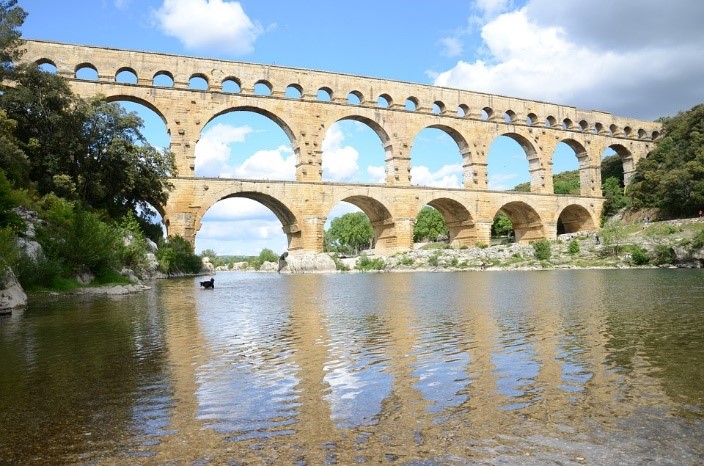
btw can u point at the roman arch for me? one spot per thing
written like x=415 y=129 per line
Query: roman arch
x=396 y=111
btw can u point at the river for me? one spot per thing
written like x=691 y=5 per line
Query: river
x=539 y=367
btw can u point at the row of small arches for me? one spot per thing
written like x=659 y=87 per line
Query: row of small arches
x=232 y=85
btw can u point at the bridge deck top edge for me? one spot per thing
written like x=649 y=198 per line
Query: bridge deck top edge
x=646 y=123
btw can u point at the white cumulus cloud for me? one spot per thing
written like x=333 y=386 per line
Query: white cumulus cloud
x=632 y=57
x=340 y=163
x=452 y=46
x=276 y=164
x=214 y=157
x=213 y=150
x=377 y=173
x=448 y=176
x=212 y=25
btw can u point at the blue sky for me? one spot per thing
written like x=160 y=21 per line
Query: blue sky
x=635 y=58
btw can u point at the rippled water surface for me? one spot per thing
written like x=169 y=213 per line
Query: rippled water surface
x=548 y=367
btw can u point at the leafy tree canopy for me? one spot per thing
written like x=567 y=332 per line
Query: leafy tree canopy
x=615 y=197
x=11 y=19
x=13 y=160
x=671 y=178
x=349 y=233
x=566 y=182
x=612 y=167
x=86 y=150
x=7 y=217
x=502 y=225
x=563 y=183
x=430 y=225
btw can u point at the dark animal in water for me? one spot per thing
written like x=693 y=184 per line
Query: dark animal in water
x=208 y=283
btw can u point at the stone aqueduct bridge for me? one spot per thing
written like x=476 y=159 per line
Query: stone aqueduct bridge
x=472 y=119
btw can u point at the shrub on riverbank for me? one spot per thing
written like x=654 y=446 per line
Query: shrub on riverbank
x=542 y=249
x=265 y=255
x=639 y=256
x=176 y=256
x=9 y=252
x=574 y=247
x=365 y=264
x=77 y=238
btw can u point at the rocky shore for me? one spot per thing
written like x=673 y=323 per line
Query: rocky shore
x=664 y=244
x=668 y=244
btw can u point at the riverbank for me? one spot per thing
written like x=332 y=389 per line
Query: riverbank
x=666 y=244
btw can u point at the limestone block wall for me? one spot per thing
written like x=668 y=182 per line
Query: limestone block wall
x=306 y=103
x=303 y=207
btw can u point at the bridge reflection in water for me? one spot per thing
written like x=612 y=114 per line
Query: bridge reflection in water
x=322 y=369
x=417 y=368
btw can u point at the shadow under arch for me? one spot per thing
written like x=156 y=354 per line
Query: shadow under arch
x=527 y=224
x=380 y=218
x=289 y=221
x=574 y=218
x=458 y=219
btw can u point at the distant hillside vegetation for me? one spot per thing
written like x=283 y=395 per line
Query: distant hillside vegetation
x=563 y=183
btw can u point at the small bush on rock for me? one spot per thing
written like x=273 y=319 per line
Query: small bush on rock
x=542 y=249
x=364 y=263
x=663 y=255
x=639 y=256
x=573 y=247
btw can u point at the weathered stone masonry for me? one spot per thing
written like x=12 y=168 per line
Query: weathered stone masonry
x=474 y=120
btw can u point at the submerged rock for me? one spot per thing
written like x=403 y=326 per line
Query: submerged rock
x=114 y=290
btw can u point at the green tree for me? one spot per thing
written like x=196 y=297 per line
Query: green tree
x=12 y=159
x=11 y=19
x=87 y=150
x=612 y=167
x=613 y=236
x=573 y=247
x=132 y=247
x=265 y=255
x=430 y=225
x=7 y=217
x=563 y=183
x=77 y=238
x=48 y=129
x=502 y=225
x=119 y=171
x=349 y=233
x=566 y=182
x=522 y=187
x=615 y=197
x=542 y=249
x=671 y=178
x=175 y=255
x=9 y=252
